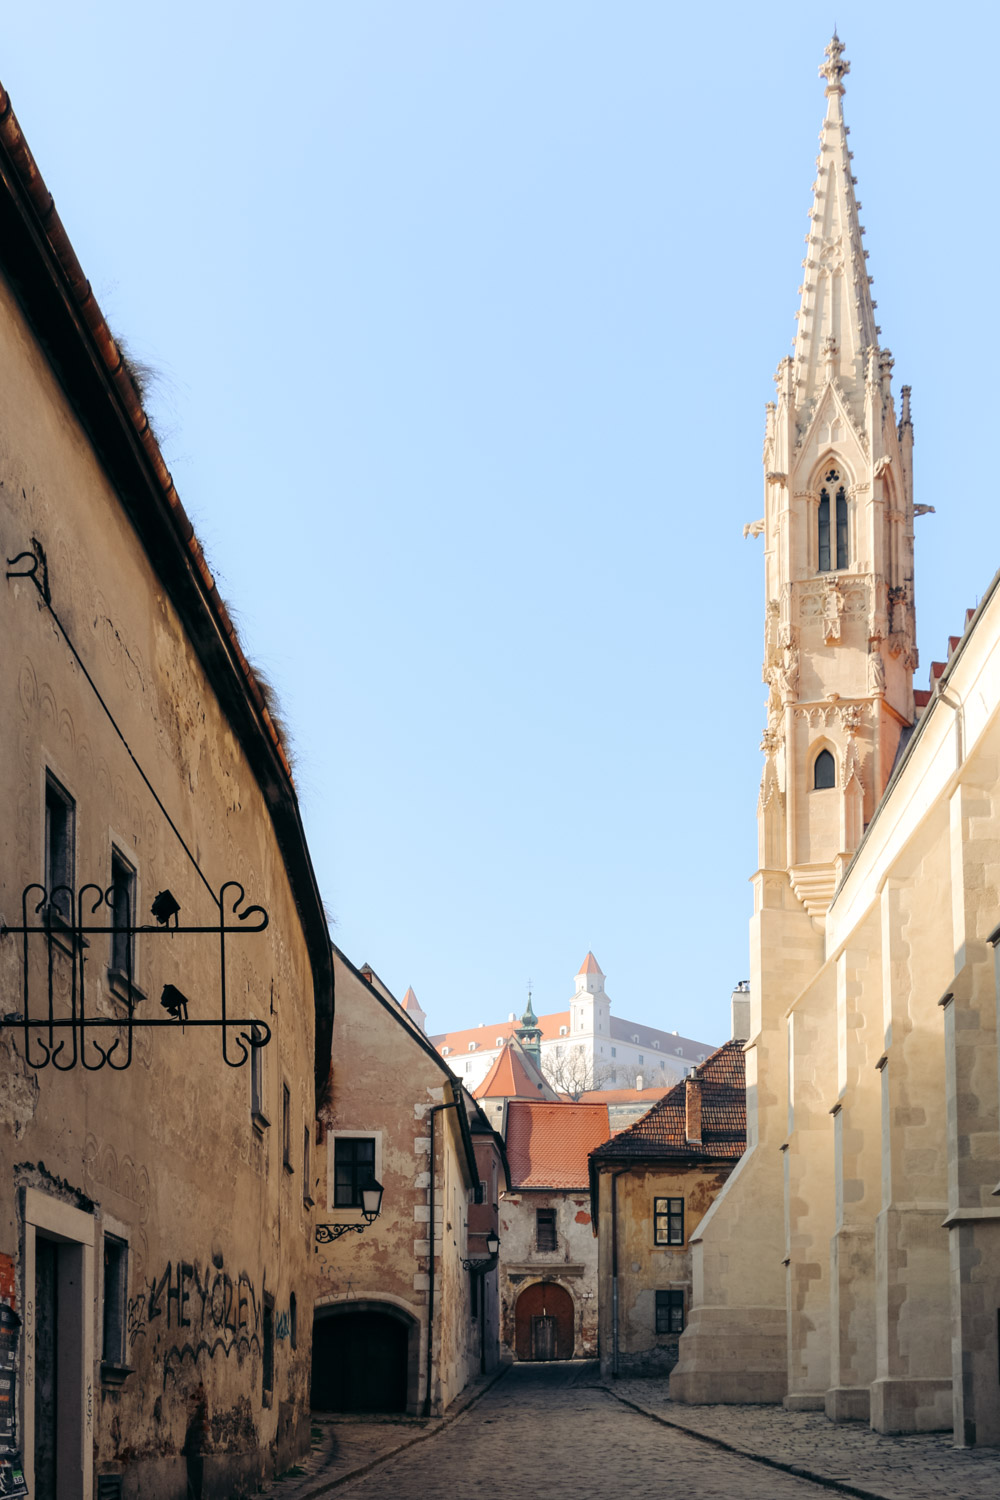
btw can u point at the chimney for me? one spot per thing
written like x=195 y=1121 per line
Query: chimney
x=741 y=1011
x=692 y=1110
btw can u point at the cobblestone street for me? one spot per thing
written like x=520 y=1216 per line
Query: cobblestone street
x=557 y=1430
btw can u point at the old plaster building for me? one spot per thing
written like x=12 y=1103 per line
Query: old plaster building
x=582 y=1047
x=166 y=987
x=852 y=1262
x=650 y=1187
x=401 y=1320
x=548 y=1251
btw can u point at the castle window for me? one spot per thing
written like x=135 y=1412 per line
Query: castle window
x=499 y=1041
x=824 y=771
x=445 y=1051
x=833 y=549
x=563 y=1030
x=472 y=1046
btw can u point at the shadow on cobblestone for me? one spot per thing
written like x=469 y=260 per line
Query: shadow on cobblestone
x=560 y=1431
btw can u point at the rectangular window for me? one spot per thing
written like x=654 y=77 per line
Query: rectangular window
x=545 y=1229
x=267 y=1351
x=353 y=1169
x=60 y=847
x=122 y=915
x=306 y=1169
x=670 y=1312
x=260 y=1119
x=286 y=1127
x=668 y=1221
x=115 y=1297
x=614 y=1052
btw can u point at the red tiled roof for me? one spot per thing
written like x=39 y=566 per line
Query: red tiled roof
x=514 y=1076
x=623 y=1096
x=590 y=966
x=410 y=1001
x=548 y=1144
x=486 y=1036
x=621 y=1031
x=662 y=1130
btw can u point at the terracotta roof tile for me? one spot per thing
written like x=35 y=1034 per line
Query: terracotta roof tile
x=486 y=1036
x=621 y=1031
x=514 y=1076
x=548 y=1144
x=648 y=1096
x=590 y=966
x=662 y=1130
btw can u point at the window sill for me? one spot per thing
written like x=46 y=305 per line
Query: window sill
x=113 y=1374
x=288 y=1168
x=260 y=1122
x=128 y=994
x=266 y=1399
x=309 y=1203
x=61 y=932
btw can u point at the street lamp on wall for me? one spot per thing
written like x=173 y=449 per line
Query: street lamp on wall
x=480 y=1267
x=371 y=1207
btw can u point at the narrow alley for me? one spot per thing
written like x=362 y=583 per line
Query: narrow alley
x=559 y=1430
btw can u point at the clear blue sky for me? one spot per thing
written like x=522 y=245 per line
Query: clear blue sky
x=466 y=316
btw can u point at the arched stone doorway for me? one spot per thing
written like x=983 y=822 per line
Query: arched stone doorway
x=366 y=1357
x=543 y=1322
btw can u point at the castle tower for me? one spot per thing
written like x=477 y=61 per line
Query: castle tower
x=529 y=1034
x=414 y=1009
x=590 y=1005
x=839 y=649
x=839 y=656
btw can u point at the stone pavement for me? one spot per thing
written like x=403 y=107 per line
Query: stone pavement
x=344 y=1447
x=560 y=1431
x=847 y=1456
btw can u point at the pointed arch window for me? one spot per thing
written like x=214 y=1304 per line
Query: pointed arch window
x=824 y=771
x=833 y=545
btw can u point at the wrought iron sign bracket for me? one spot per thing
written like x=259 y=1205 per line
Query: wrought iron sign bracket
x=66 y=922
x=480 y=1267
x=327 y=1233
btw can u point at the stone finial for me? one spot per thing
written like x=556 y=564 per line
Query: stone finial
x=836 y=66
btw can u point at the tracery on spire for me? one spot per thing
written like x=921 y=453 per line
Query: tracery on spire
x=836 y=67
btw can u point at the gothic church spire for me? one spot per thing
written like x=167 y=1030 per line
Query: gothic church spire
x=836 y=314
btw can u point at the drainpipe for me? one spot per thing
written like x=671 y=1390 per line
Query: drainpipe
x=435 y=1110
x=614 y=1269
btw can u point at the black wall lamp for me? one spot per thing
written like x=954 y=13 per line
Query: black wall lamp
x=480 y=1267
x=371 y=1207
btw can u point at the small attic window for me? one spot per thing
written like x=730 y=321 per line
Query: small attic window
x=472 y=1046
x=445 y=1051
x=563 y=1030
x=680 y=1051
x=657 y=1046
x=499 y=1041
x=635 y=1038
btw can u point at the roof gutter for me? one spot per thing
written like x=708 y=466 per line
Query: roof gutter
x=58 y=301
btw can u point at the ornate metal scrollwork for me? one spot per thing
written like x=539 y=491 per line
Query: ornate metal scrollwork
x=66 y=923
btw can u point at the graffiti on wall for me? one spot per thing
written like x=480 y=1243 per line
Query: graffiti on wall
x=201 y=1310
